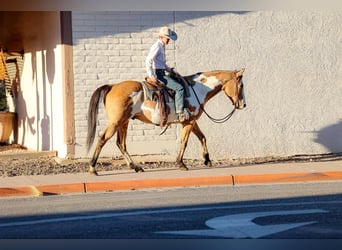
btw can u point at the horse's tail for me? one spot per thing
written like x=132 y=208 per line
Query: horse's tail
x=99 y=93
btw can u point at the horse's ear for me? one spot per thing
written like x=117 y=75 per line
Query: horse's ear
x=240 y=72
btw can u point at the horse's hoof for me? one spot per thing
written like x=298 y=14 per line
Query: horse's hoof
x=207 y=160
x=208 y=163
x=182 y=166
x=92 y=171
x=139 y=169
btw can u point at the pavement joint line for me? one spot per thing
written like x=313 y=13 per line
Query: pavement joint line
x=133 y=184
x=85 y=187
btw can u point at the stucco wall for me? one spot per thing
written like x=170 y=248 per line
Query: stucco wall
x=40 y=99
x=292 y=80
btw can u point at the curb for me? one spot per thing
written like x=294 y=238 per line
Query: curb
x=230 y=180
x=287 y=177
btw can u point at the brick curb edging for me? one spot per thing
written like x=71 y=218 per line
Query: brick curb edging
x=56 y=189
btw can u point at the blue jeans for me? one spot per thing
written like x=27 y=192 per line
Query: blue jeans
x=174 y=85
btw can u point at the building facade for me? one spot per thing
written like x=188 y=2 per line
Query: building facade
x=292 y=79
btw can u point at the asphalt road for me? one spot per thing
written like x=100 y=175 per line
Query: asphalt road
x=284 y=211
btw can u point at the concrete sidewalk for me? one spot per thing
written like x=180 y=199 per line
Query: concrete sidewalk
x=165 y=178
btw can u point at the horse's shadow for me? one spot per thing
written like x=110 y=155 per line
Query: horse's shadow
x=151 y=170
x=130 y=171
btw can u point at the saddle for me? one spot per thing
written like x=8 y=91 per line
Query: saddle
x=158 y=92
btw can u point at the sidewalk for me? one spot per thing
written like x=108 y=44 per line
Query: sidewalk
x=166 y=178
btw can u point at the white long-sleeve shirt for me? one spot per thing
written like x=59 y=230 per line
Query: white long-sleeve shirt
x=156 y=58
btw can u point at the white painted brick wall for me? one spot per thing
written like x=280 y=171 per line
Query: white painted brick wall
x=110 y=47
x=292 y=78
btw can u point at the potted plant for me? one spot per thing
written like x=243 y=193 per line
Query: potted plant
x=6 y=118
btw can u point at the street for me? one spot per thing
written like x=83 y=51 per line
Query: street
x=282 y=211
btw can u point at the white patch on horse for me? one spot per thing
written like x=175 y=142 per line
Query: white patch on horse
x=210 y=82
x=202 y=87
x=137 y=103
x=144 y=107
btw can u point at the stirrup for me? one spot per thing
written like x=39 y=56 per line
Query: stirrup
x=183 y=116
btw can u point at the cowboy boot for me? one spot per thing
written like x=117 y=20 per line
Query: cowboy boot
x=183 y=116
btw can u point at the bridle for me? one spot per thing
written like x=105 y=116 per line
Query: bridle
x=216 y=120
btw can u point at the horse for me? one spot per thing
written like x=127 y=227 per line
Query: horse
x=126 y=100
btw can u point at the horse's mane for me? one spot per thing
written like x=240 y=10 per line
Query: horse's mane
x=190 y=78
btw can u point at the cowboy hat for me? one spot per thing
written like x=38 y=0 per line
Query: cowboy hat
x=165 y=31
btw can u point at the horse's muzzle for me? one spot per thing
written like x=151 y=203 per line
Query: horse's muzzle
x=240 y=105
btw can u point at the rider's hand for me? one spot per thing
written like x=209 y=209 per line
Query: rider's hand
x=153 y=79
x=173 y=71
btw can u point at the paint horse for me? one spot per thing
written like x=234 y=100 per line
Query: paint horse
x=126 y=100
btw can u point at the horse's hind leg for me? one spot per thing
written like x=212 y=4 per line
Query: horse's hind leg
x=197 y=131
x=106 y=135
x=121 y=143
x=184 y=142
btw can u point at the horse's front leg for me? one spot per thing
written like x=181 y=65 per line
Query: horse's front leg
x=121 y=143
x=187 y=127
x=197 y=131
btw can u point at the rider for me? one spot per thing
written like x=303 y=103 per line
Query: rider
x=156 y=67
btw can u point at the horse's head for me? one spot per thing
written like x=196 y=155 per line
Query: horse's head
x=233 y=88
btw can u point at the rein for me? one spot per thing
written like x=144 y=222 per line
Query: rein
x=216 y=120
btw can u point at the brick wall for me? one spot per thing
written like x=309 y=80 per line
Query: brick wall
x=110 y=47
